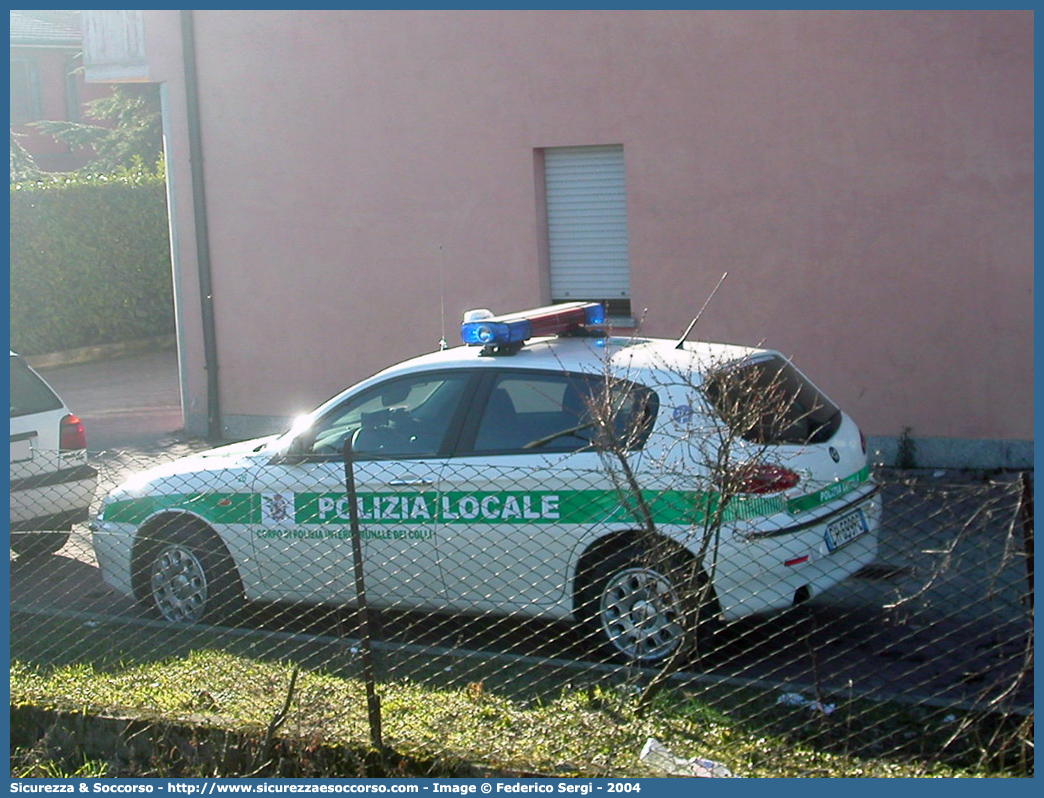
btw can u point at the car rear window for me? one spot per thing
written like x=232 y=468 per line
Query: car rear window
x=766 y=400
x=30 y=394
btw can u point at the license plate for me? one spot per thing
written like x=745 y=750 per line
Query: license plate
x=21 y=450
x=845 y=529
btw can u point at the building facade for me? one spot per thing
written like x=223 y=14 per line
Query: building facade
x=344 y=184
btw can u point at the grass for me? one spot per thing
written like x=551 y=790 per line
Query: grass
x=583 y=727
x=36 y=764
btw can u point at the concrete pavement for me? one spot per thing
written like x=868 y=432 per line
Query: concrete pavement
x=125 y=402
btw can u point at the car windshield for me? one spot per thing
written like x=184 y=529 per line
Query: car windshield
x=766 y=400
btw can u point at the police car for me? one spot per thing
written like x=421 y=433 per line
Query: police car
x=545 y=468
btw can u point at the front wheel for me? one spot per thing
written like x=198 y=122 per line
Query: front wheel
x=646 y=610
x=191 y=578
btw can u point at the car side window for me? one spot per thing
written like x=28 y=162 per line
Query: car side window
x=404 y=417
x=538 y=412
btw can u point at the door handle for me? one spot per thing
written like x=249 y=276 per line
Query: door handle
x=411 y=482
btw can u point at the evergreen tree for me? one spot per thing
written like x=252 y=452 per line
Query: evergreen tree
x=132 y=136
x=22 y=165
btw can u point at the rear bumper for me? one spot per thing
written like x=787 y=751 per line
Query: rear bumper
x=77 y=474
x=52 y=501
x=52 y=522
x=757 y=572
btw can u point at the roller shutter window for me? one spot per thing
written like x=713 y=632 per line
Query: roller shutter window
x=587 y=226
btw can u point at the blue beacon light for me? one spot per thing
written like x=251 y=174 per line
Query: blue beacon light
x=482 y=328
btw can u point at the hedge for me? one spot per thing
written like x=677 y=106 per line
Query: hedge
x=90 y=262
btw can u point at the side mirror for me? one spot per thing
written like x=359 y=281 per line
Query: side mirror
x=296 y=452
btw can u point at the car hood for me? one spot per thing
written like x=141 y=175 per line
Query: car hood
x=186 y=473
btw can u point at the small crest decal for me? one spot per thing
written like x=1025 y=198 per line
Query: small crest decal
x=277 y=508
x=682 y=414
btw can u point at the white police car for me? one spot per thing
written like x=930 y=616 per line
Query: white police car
x=545 y=469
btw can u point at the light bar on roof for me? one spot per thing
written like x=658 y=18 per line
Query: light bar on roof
x=482 y=328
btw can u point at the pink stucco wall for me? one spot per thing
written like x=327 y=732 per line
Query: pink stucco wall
x=866 y=178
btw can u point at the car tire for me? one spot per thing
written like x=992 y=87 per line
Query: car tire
x=36 y=545
x=190 y=578
x=644 y=608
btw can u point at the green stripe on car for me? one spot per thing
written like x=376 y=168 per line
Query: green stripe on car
x=470 y=507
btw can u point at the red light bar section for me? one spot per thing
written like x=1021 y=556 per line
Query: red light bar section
x=553 y=319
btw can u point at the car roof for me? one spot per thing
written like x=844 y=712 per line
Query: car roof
x=585 y=354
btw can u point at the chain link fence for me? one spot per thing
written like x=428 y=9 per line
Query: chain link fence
x=479 y=621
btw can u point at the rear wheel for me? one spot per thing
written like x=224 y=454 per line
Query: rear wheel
x=645 y=609
x=33 y=545
x=191 y=578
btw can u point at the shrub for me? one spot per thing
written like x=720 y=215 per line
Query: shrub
x=90 y=261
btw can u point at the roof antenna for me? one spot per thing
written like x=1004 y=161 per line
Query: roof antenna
x=681 y=341
x=443 y=344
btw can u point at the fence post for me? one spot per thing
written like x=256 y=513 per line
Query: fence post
x=373 y=701
x=1027 y=530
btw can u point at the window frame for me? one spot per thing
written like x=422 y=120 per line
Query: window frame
x=301 y=448
x=469 y=432
x=31 y=108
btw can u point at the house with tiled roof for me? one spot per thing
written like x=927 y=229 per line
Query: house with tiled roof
x=47 y=83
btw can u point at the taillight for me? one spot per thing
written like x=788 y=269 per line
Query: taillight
x=764 y=478
x=73 y=436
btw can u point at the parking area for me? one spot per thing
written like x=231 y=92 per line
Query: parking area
x=944 y=612
x=131 y=402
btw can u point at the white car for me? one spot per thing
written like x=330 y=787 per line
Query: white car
x=544 y=468
x=52 y=484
